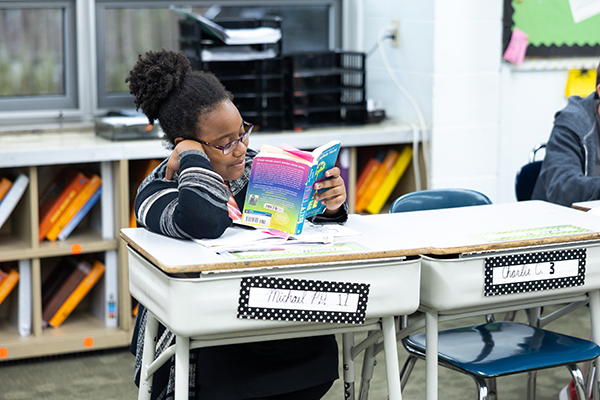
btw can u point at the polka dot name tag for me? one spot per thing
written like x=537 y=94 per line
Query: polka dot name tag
x=530 y=272
x=280 y=299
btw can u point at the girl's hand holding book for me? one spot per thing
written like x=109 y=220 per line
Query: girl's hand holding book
x=335 y=194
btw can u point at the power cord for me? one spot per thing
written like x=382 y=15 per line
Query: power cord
x=387 y=33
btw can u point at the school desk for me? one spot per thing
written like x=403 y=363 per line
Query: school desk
x=373 y=278
x=497 y=258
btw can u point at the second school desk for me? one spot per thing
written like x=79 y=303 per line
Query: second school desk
x=222 y=304
x=497 y=258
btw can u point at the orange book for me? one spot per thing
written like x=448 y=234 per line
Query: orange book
x=8 y=283
x=57 y=197
x=367 y=174
x=141 y=174
x=78 y=294
x=5 y=184
x=74 y=206
x=386 y=166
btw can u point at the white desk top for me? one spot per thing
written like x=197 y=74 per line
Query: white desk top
x=60 y=148
x=448 y=231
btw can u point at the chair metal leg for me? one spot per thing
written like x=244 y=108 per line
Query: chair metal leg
x=482 y=389
x=369 y=363
x=579 y=381
x=407 y=370
x=347 y=345
x=531 y=380
x=492 y=388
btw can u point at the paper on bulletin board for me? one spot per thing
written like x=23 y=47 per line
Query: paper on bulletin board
x=580 y=83
x=584 y=9
x=515 y=52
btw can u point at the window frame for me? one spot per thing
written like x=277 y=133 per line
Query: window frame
x=105 y=100
x=59 y=102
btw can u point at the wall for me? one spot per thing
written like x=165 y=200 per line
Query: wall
x=485 y=114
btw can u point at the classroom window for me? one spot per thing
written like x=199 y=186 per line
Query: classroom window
x=126 y=29
x=37 y=55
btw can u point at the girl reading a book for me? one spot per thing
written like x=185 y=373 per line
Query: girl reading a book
x=196 y=193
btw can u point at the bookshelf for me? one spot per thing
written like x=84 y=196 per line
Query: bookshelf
x=40 y=155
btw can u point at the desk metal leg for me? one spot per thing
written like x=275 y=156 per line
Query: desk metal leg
x=347 y=345
x=431 y=355
x=391 y=358
x=595 y=321
x=148 y=355
x=182 y=367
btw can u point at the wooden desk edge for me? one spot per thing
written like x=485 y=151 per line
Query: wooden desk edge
x=248 y=264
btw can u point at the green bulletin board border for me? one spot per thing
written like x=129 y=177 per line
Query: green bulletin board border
x=543 y=50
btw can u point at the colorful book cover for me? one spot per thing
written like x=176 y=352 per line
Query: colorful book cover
x=88 y=190
x=280 y=192
x=57 y=197
x=78 y=294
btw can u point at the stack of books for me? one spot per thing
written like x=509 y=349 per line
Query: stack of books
x=66 y=287
x=66 y=200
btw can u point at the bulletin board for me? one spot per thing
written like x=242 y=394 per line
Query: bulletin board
x=551 y=28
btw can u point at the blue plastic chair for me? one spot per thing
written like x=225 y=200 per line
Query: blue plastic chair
x=527 y=176
x=493 y=349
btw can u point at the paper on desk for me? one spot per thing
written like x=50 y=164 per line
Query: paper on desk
x=240 y=239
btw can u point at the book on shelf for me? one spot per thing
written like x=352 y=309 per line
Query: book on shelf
x=94 y=273
x=72 y=224
x=367 y=173
x=20 y=315
x=259 y=35
x=12 y=197
x=378 y=177
x=5 y=184
x=57 y=196
x=391 y=180
x=60 y=284
x=280 y=191
x=138 y=176
x=90 y=191
x=10 y=278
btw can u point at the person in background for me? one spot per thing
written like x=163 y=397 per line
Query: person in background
x=570 y=171
x=196 y=193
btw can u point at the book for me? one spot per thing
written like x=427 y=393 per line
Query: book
x=60 y=284
x=390 y=181
x=367 y=173
x=280 y=191
x=55 y=199
x=12 y=197
x=94 y=274
x=138 y=176
x=378 y=178
x=20 y=316
x=11 y=277
x=72 y=224
x=5 y=184
x=86 y=192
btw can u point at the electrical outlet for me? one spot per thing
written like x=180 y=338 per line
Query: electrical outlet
x=395 y=32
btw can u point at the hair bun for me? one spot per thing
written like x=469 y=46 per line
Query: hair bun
x=154 y=77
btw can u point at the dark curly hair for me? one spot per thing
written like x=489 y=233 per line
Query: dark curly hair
x=167 y=89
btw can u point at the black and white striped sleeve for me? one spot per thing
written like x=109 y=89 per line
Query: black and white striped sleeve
x=192 y=205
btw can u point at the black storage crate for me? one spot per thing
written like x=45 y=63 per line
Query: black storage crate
x=327 y=88
x=259 y=86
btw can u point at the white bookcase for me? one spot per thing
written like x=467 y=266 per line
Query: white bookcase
x=93 y=325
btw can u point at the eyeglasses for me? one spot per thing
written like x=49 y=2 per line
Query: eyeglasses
x=229 y=147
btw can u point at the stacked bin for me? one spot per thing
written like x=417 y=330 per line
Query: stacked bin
x=327 y=88
x=258 y=85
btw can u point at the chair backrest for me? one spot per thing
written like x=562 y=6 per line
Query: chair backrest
x=432 y=199
x=527 y=175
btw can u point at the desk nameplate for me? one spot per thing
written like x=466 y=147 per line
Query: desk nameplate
x=281 y=299
x=530 y=272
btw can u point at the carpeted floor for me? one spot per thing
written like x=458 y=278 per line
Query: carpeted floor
x=108 y=375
